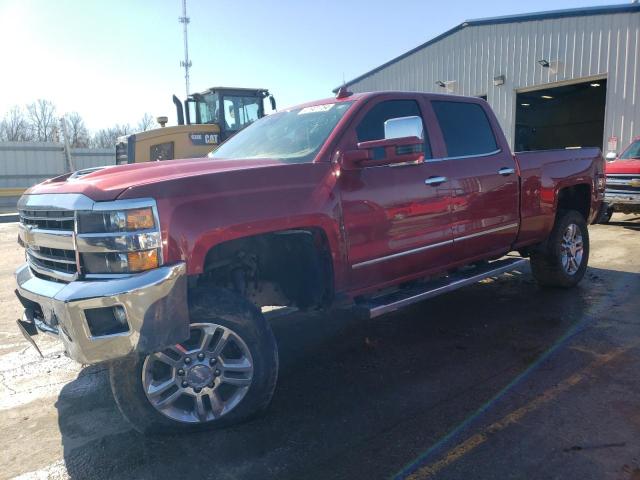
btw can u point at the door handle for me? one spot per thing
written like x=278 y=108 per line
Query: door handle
x=435 y=181
x=505 y=172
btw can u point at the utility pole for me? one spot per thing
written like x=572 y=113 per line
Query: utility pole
x=186 y=63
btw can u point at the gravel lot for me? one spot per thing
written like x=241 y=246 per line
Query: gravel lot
x=498 y=380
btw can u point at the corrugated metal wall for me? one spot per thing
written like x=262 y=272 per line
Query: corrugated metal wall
x=25 y=164
x=587 y=47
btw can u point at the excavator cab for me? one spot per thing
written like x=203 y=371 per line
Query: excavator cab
x=231 y=109
x=205 y=120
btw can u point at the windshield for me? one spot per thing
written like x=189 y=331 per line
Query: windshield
x=633 y=151
x=295 y=135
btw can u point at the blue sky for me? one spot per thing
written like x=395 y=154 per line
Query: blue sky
x=114 y=60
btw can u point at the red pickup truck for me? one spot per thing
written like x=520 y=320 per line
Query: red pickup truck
x=370 y=201
x=623 y=183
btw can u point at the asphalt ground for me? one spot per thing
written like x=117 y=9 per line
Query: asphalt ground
x=501 y=379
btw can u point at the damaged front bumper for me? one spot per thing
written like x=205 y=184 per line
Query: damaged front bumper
x=102 y=320
x=623 y=201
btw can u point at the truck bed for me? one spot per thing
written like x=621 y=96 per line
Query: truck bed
x=542 y=175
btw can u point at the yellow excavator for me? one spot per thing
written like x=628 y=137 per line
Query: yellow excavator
x=204 y=121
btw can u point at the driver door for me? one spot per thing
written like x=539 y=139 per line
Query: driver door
x=396 y=220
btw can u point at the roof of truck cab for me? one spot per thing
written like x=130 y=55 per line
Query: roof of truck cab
x=387 y=93
x=324 y=101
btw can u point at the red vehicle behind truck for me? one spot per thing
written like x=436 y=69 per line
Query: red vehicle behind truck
x=367 y=201
x=623 y=183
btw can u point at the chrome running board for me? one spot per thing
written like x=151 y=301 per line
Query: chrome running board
x=388 y=303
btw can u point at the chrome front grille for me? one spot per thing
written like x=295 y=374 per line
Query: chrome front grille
x=48 y=219
x=47 y=235
x=623 y=183
x=61 y=259
x=56 y=236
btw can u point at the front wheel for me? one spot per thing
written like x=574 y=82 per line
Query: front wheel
x=224 y=373
x=562 y=262
x=605 y=214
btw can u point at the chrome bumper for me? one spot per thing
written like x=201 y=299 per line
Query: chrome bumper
x=622 y=198
x=155 y=304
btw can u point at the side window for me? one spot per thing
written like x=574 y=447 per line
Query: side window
x=372 y=126
x=632 y=151
x=465 y=127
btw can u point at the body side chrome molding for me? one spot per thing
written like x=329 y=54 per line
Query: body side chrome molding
x=434 y=245
x=459 y=157
x=401 y=254
x=437 y=159
x=487 y=232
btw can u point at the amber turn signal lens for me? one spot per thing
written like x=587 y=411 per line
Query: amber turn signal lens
x=140 y=261
x=140 y=219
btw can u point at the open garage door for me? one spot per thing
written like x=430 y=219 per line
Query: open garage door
x=561 y=117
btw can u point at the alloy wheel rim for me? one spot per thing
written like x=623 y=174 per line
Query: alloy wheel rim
x=201 y=379
x=572 y=249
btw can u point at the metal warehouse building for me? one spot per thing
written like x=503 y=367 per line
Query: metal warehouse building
x=555 y=79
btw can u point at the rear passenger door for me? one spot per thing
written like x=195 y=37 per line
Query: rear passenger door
x=482 y=178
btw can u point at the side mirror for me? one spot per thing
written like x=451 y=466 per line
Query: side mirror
x=273 y=102
x=611 y=156
x=401 y=127
x=385 y=152
x=354 y=159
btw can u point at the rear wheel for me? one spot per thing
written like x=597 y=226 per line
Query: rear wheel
x=562 y=262
x=224 y=373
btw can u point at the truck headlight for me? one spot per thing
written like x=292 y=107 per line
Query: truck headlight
x=119 y=240
x=140 y=261
x=116 y=221
x=117 y=262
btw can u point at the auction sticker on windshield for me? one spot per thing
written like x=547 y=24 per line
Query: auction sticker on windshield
x=316 y=108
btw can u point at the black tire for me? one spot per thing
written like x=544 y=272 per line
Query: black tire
x=605 y=214
x=206 y=305
x=546 y=261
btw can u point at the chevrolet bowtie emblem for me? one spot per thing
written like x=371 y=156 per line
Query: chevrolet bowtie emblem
x=28 y=237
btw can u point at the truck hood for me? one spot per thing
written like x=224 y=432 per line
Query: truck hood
x=624 y=166
x=109 y=182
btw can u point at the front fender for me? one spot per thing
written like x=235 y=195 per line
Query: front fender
x=249 y=203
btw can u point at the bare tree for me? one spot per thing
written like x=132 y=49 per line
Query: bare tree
x=77 y=130
x=14 y=126
x=147 y=122
x=107 y=137
x=43 y=122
